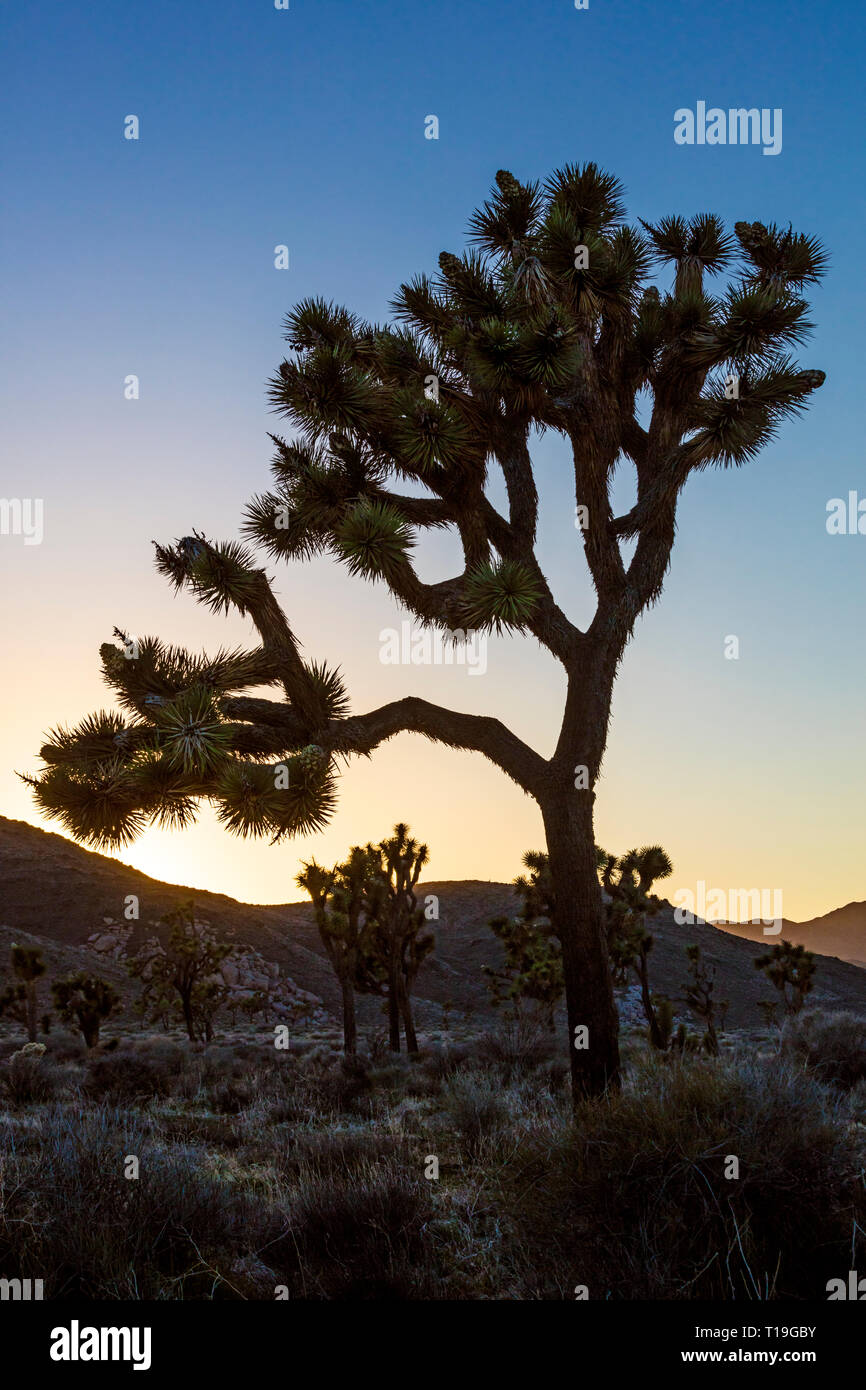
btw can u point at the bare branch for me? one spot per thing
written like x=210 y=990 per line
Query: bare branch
x=479 y=733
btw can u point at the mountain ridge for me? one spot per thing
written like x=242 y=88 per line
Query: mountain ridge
x=87 y=887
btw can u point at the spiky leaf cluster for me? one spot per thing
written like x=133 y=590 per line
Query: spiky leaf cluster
x=111 y=776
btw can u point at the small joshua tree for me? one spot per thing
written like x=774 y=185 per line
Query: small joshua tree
x=341 y=909
x=184 y=969
x=790 y=969
x=533 y=955
x=627 y=883
x=396 y=942
x=21 y=1000
x=370 y=924
x=698 y=995
x=550 y=322
x=87 y=1001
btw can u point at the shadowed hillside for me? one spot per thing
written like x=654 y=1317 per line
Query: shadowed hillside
x=60 y=893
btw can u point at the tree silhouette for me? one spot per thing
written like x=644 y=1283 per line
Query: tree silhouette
x=185 y=970
x=341 y=911
x=370 y=924
x=790 y=969
x=549 y=322
x=85 y=1000
x=627 y=882
x=395 y=943
x=533 y=956
x=21 y=1000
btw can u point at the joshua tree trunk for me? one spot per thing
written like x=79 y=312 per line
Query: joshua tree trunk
x=406 y=1011
x=393 y=1016
x=656 y=1036
x=579 y=924
x=350 y=1031
x=189 y=1022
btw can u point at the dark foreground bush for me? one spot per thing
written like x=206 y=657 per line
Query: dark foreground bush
x=634 y=1201
x=129 y=1077
x=361 y=1235
x=70 y=1215
x=28 y=1076
x=832 y=1044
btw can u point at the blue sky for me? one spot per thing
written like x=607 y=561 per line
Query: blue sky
x=306 y=128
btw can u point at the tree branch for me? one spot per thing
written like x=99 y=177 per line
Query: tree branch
x=480 y=733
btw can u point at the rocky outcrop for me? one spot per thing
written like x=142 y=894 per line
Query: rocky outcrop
x=247 y=977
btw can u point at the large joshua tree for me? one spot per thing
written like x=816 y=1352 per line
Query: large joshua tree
x=549 y=322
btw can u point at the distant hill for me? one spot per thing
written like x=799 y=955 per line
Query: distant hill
x=841 y=933
x=59 y=893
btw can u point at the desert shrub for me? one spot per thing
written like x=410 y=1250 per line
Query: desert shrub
x=230 y=1097
x=215 y=1132
x=378 y=1047
x=71 y=1215
x=474 y=1102
x=439 y=1063
x=220 y=1063
x=29 y=1077
x=832 y=1044
x=163 y=1053
x=632 y=1200
x=517 y=1045
x=320 y=1084
x=127 y=1077
x=393 y=1076
x=552 y=1075
x=365 y=1238
x=335 y=1154
x=336 y=1084
x=64 y=1046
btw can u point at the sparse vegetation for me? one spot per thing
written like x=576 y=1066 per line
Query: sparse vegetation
x=306 y=1171
x=698 y=994
x=790 y=969
x=833 y=1045
x=181 y=975
x=533 y=956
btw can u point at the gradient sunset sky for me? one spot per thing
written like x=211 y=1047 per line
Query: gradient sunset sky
x=305 y=127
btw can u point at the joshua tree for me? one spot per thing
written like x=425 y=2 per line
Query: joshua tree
x=533 y=966
x=21 y=1001
x=187 y=966
x=627 y=883
x=789 y=968
x=549 y=323
x=698 y=994
x=87 y=1001
x=533 y=955
x=339 y=898
x=370 y=924
x=396 y=943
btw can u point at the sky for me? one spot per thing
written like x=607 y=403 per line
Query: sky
x=305 y=127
